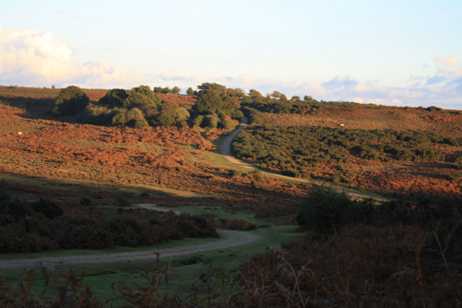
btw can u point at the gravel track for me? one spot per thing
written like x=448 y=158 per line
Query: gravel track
x=150 y=206
x=231 y=239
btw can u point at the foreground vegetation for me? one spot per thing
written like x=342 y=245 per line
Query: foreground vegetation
x=402 y=253
x=43 y=225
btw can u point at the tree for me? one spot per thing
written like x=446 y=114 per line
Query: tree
x=170 y=113
x=237 y=114
x=213 y=86
x=277 y=94
x=158 y=90
x=134 y=115
x=307 y=98
x=141 y=101
x=190 y=91
x=254 y=94
x=146 y=90
x=240 y=92
x=230 y=103
x=295 y=98
x=114 y=98
x=165 y=120
x=211 y=121
x=227 y=123
x=176 y=90
x=181 y=114
x=119 y=119
x=70 y=101
x=209 y=101
x=166 y=90
x=214 y=98
x=141 y=123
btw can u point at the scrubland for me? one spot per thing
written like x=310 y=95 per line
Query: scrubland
x=70 y=187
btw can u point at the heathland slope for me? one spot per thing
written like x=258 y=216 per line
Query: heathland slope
x=69 y=182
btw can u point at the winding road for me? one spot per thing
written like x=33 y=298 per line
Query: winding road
x=230 y=239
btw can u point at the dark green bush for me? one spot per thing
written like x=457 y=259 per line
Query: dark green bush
x=324 y=211
x=237 y=114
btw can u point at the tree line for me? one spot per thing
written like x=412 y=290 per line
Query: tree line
x=216 y=107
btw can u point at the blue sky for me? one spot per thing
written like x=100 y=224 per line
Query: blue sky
x=405 y=53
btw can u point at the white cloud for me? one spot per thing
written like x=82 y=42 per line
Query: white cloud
x=33 y=58
x=449 y=66
x=172 y=75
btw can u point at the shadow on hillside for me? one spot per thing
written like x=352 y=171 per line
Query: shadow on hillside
x=32 y=188
x=36 y=108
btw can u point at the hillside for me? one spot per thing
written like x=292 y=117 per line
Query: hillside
x=70 y=187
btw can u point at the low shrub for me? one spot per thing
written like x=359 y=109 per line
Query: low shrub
x=325 y=211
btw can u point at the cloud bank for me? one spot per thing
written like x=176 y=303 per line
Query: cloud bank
x=33 y=58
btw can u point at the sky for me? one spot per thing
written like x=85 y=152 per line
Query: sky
x=402 y=53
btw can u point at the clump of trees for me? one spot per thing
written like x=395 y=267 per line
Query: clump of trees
x=138 y=108
x=217 y=106
x=175 y=90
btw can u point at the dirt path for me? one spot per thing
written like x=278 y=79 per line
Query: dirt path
x=230 y=239
x=156 y=208
x=225 y=147
x=225 y=150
